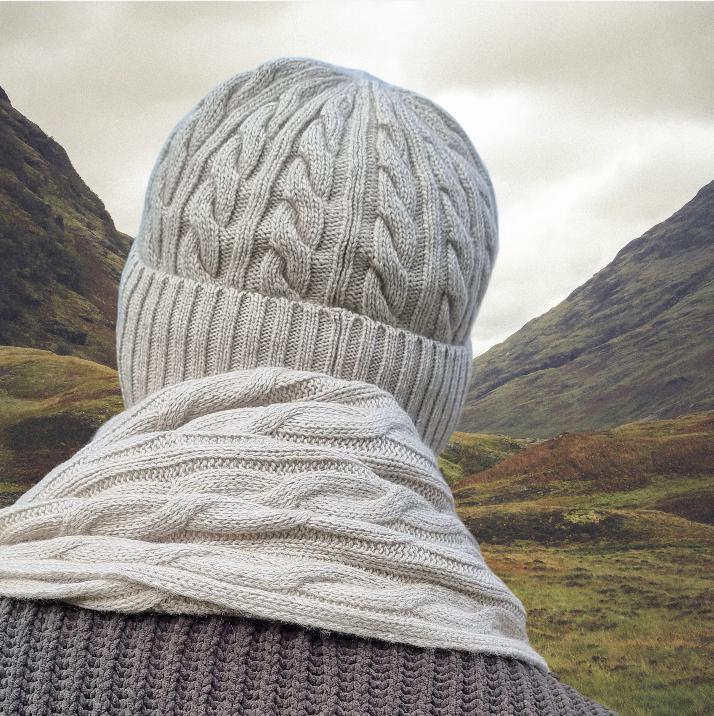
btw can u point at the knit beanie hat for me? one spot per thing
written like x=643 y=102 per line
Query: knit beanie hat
x=311 y=216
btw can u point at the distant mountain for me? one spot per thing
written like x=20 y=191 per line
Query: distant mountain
x=60 y=254
x=634 y=342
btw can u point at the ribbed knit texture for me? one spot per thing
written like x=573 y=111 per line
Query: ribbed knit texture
x=315 y=217
x=220 y=329
x=64 y=661
x=269 y=493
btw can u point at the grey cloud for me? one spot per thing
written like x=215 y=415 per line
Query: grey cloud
x=643 y=57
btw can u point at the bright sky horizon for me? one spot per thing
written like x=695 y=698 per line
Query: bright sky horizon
x=595 y=121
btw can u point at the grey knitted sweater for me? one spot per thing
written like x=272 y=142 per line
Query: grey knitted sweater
x=64 y=661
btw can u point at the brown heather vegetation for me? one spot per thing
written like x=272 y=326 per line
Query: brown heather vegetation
x=608 y=539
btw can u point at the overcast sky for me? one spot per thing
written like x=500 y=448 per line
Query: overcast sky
x=595 y=121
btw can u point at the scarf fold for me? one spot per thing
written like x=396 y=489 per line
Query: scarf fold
x=268 y=493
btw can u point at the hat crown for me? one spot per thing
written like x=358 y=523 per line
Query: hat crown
x=324 y=184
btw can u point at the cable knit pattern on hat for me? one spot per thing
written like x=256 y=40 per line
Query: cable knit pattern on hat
x=316 y=186
x=268 y=493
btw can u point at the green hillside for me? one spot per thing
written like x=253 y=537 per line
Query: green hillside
x=608 y=538
x=60 y=255
x=50 y=406
x=634 y=342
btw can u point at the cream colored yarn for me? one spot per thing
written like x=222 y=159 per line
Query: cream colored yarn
x=268 y=493
x=293 y=349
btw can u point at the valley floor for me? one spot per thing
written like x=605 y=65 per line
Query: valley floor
x=629 y=627
x=607 y=537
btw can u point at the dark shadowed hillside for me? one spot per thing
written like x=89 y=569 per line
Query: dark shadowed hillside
x=634 y=342
x=60 y=254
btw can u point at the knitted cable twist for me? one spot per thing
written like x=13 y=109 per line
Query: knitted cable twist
x=458 y=250
x=469 y=209
x=212 y=205
x=311 y=181
x=296 y=226
x=200 y=177
x=392 y=248
x=270 y=493
x=210 y=210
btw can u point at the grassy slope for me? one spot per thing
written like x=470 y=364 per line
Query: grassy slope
x=49 y=407
x=631 y=343
x=60 y=254
x=607 y=539
x=468 y=453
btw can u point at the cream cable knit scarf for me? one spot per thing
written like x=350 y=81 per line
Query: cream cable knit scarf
x=269 y=493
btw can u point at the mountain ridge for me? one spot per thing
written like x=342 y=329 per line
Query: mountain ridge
x=657 y=286
x=60 y=254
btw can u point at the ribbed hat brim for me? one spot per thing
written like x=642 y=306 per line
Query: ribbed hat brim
x=172 y=328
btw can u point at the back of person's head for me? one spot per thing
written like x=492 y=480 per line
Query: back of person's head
x=315 y=217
